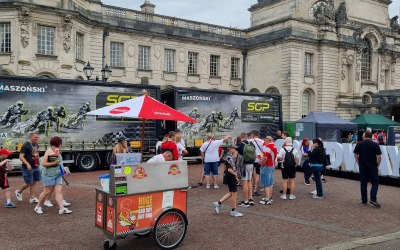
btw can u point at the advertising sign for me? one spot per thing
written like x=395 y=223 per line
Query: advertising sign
x=227 y=113
x=138 y=212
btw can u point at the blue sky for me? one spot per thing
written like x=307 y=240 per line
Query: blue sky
x=221 y=12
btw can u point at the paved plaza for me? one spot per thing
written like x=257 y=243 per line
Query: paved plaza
x=339 y=221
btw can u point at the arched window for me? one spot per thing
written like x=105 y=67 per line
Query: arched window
x=254 y=90
x=272 y=91
x=306 y=103
x=366 y=99
x=46 y=75
x=366 y=60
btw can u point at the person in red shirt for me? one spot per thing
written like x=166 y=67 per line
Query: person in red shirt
x=267 y=169
x=170 y=145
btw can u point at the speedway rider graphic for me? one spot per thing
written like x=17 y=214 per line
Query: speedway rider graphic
x=229 y=124
x=77 y=120
x=13 y=115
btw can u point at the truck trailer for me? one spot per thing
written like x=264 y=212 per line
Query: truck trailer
x=221 y=113
x=58 y=107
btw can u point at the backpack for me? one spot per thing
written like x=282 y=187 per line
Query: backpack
x=289 y=160
x=249 y=152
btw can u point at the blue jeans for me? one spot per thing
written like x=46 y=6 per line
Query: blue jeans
x=368 y=175
x=317 y=177
x=307 y=170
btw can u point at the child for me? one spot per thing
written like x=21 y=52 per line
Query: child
x=4 y=164
x=230 y=179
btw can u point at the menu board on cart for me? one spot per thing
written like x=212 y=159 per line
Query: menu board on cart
x=148 y=177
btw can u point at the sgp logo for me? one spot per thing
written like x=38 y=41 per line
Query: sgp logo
x=257 y=106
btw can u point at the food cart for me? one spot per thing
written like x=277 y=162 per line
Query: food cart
x=140 y=198
x=144 y=198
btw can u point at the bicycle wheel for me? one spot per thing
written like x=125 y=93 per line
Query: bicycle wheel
x=170 y=229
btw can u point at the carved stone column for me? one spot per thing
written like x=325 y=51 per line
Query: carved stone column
x=24 y=20
x=67 y=28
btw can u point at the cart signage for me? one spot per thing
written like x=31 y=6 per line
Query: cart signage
x=138 y=212
x=174 y=170
x=120 y=110
x=139 y=173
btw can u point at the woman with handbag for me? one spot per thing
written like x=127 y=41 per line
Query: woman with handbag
x=52 y=169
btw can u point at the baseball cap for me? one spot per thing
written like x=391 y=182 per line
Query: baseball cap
x=122 y=138
x=4 y=151
x=210 y=135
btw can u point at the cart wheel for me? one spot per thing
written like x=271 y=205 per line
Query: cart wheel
x=142 y=234
x=110 y=244
x=170 y=229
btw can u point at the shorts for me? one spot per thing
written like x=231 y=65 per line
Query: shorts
x=257 y=167
x=51 y=181
x=31 y=176
x=211 y=167
x=267 y=176
x=288 y=173
x=4 y=181
x=232 y=184
x=248 y=172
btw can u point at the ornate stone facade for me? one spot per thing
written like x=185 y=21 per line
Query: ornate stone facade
x=335 y=51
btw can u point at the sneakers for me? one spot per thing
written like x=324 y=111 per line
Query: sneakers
x=38 y=210
x=64 y=211
x=18 y=195
x=256 y=193
x=10 y=205
x=208 y=186
x=216 y=206
x=216 y=187
x=200 y=184
x=48 y=203
x=375 y=203
x=33 y=200
x=317 y=197
x=66 y=204
x=323 y=180
x=244 y=204
x=283 y=196
x=307 y=183
x=292 y=197
x=314 y=192
x=236 y=214
x=251 y=202
x=265 y=201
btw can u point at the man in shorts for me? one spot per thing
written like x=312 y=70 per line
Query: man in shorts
x=247 y=173
x=288 y=168
x=4 y=164
x=29 y=155
x=258 y=142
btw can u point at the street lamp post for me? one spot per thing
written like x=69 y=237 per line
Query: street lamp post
x=88 y=70
x=105 y=72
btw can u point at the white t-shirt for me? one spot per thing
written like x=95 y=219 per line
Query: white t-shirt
x=182 y=142
x=211 y=154
x=282 y=153
x=180 y=150
x=156 y=159
x=260 y=144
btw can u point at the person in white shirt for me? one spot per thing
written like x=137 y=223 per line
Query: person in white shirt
x=289 y=168
x=160 y=158
x=181 y=148
x=259 y=143
x=210 y=156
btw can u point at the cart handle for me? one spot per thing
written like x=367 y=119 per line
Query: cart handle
x=187 y=189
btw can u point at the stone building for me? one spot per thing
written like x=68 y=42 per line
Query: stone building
x=320 y=55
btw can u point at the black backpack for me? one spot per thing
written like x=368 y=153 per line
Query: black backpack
x=289 y=161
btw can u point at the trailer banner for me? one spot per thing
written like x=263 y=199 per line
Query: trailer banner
x=223 y=113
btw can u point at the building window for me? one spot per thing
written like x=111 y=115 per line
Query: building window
x=116 y=54
x=5 y=37
x=214 y=65
x=306 y=103
x=169 y=60
x=366 y=60
x=79 y=46
x=272 y=91
x=308 y=64
x=46 y=40
x=235 y=67
x=192 y=65
x=366 y=99
x=144 y=57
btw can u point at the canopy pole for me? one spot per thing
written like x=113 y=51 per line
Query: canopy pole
x=142 y=137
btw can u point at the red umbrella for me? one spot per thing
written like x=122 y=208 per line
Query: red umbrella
x=145 y=108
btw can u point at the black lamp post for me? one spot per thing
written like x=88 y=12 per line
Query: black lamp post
x=88 y=70
x=106 y=72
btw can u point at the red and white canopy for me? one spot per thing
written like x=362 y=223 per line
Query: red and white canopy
x=143 y=107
